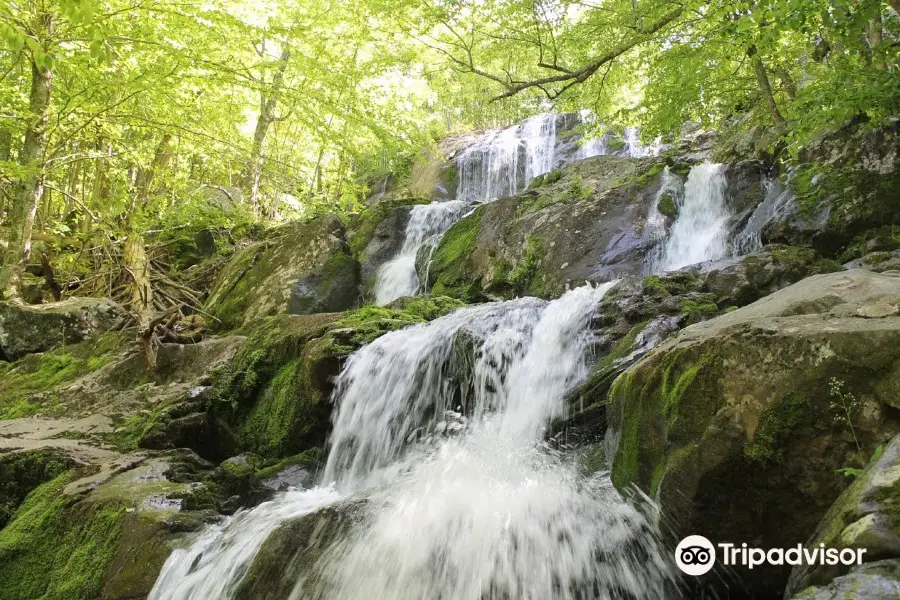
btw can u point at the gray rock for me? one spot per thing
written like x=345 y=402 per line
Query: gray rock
x=863 y=517
x=874 y=581
x=304 y=268
x=26 y=329
x=730 y=423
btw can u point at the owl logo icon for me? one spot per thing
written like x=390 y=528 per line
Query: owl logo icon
x=695 y=555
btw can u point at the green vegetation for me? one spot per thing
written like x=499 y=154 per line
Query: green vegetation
x=30 y=385
x=776 y=425
x=451 y=258
x=54 y=550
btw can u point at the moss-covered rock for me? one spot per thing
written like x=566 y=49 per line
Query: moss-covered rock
x=21 y=472
x=302 y=268
x=272 y=398
x=731 y=423
x=292 y=551
x=845 y=183
x=25 y=329
x=864 y=517
x=581 y=222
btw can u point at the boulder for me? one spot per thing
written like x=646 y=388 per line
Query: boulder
x=27 y=329
x=739 y=425
x=582 y=222
x=303 y=268
x=871 y=581
x=863 y=517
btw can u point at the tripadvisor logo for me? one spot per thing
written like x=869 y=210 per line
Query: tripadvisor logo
x=696 y=555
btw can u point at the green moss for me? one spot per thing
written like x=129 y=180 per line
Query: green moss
x=365 y=223
x=30 y=385
x=450 y=261
x=667 y=206
x=662 y=402
x=658 y=472
x=311 y=458
x=776 y=426
x=21 y=472
x=54 y=550
x=695 y=307
x=674 y=284
x=526 y=277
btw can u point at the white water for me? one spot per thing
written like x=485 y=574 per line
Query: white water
x=215 y=563
x=427 y=223
x=777 y=198
x=505 y=161
x=656 y=222
x=469 y=508
x=700 y=232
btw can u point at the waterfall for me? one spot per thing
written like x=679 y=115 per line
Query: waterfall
x=505 y=161
x=655 y=225
x=749 y=239
x=218 y=559
x=427 y=223
x=700 y=232
x=465 y=499
x=591 y=146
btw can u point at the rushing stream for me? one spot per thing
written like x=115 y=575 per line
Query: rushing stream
x=464 y=498
x=439 y=429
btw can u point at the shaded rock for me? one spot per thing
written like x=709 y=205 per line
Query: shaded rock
x=730 y=423
x=304 y=268
x=863 y=517
x=26 y=329
x=291 y=552
x=873 y=581
x=877 y=261
x=846 y=193
x=587 y=224
x=378 y=234
x=741 y=280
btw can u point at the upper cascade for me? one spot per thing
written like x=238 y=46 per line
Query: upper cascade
x=502 y=162
x=700 y=233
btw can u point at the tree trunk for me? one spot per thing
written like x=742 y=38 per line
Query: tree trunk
x=134 y=254
x=895 y=6
x=28 y=191
x=267 y=103
x=787 y=82
x=874 y=39
x=764 y=86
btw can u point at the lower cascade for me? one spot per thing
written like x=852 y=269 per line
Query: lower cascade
x=439 y=435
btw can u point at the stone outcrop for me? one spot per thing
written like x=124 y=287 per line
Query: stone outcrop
x=738 y=425
x=302 y=268
x=26 y=329
x=863 y=517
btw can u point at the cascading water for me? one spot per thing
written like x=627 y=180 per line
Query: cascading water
x=427 y=223
x=504 y=162
x=487 y=512
x=670 y=186
x=749 y=239
x=700 y=232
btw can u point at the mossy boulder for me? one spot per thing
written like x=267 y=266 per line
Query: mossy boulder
x=291 y=553
x=581 y=222
x=865 y=517
x=65 y=544
x=731 y=423
x=846 y=193
x=377 y=234
x=302 y=268
x=26 y=329
x=870 y=581
x=273 y=397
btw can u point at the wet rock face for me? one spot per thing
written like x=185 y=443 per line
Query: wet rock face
x=732 y=423
x=302 y=268
x=863 y=517
x=28 y=329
